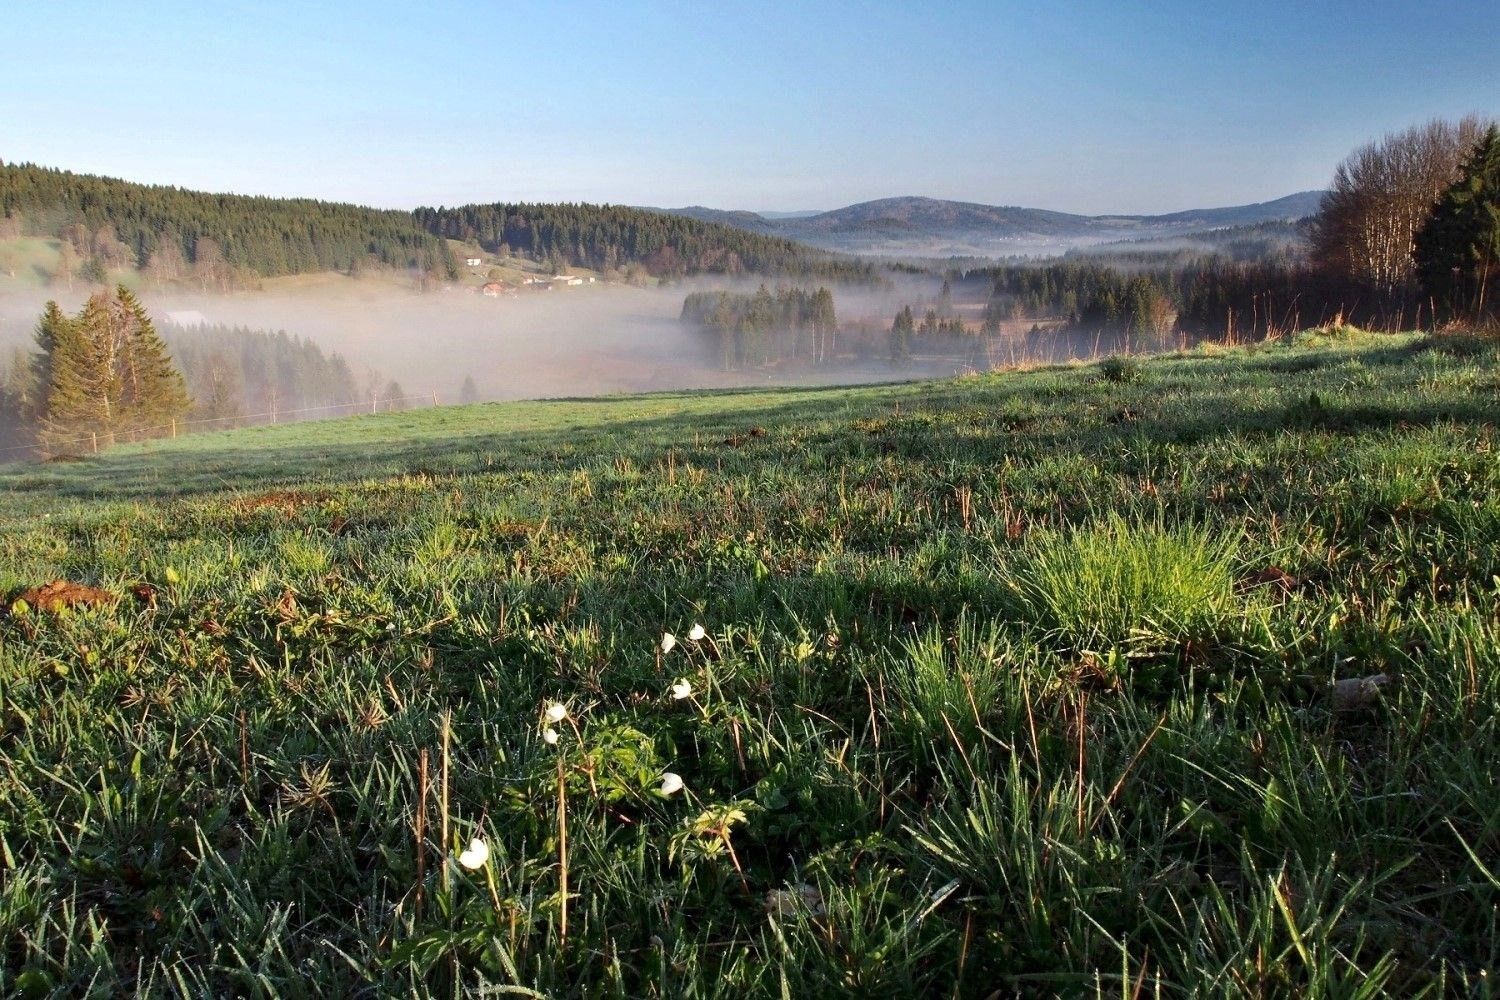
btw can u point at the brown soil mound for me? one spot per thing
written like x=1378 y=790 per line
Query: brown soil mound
x=62 y=594
x=285 y=501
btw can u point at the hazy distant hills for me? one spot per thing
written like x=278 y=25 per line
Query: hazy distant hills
x=934 y=227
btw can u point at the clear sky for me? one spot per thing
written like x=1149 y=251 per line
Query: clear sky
x=1077 y=106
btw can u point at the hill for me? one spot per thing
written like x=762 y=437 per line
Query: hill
x=1156 y=675
x=111 y=226
x=607 y=237
x=934 y=227
x=120 y=225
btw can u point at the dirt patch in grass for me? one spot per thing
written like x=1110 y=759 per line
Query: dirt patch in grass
x=1274 y=577
x=284 y=501
x=63 y=594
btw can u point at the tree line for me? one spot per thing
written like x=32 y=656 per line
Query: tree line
x=235 y=374
x=761 y=328
x=215 y=240
x=98 y=376
x=218 y=241
x=608 y=238
x=107 y=374
x=1407 y=237
x=1412 y=221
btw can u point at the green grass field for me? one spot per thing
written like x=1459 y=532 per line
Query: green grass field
x=1017 y=684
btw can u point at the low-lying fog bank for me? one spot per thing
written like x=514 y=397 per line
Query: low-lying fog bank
x=568 y=341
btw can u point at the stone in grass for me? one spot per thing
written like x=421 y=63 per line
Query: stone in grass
x=783 y=903
x=1354 y=693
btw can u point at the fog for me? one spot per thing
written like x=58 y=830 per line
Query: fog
x=589 y=340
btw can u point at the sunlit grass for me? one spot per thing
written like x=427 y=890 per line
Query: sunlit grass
x=1013 y=683
x=1136 y=584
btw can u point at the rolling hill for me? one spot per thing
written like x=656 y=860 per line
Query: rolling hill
x=932 y=226
x=216 y=239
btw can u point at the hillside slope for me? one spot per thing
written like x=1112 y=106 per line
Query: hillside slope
x=1011 y=682
x=606 y=237
x=126 y=225
x=111 y=225
x=932 y=225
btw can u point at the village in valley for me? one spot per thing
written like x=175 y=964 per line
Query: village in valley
x=496 y=277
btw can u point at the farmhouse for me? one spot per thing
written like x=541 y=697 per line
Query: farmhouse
x=474 y=261
x=566 y=279
x=493 y=289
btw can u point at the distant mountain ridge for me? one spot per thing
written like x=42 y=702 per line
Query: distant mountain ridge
x=931 y=225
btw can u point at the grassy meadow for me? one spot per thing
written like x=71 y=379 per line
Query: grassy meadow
x=1016 y=684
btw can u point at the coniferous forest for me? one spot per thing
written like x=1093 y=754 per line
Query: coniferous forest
x=80 y=386
x=214 y=239
x=99 y=376
x=219 y=241
x=606 y=237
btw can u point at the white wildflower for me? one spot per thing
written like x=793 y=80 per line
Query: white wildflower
x=697 y=633
x=476 y=855
x=549 y=736
x=556 y=712
x=668 y=642
x=671 y=783
x=681 y=689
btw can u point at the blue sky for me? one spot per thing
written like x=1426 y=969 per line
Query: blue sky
x=1077 y=106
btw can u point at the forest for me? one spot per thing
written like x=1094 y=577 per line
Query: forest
x=608 y=237
x=749 y=330
x=224 y=241
x=229 y=377
x=214 y=240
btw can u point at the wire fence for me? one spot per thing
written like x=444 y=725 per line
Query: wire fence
x=94 y=441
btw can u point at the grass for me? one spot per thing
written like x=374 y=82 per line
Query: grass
x=1113 y=583
x=1016 y=682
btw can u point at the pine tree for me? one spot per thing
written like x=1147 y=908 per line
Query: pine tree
x=17 y=401
x=67 y=265
x=901 y=334
x=469 y=392
x=75 y=380
x=104 y=373
x=1458 y=248
x=155 y=393
x=824 y=324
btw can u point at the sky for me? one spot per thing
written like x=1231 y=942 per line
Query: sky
x=1093 y=107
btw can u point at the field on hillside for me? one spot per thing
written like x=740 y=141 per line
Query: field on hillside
x=1024 y=683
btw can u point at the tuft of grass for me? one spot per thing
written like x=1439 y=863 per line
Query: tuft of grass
x=1120 y=369
x=1116 y=583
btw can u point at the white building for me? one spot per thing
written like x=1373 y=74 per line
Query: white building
x=473 y=261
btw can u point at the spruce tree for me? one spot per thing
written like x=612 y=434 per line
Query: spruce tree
x=824 y=323
x=155 y=393
x=103 y=373
x=75 y=384
x=901 y=334
x=1458 y=249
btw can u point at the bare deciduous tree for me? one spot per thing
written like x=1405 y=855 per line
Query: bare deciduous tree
x=1380 y=196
